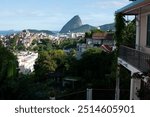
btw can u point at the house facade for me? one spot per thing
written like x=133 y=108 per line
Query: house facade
x=100 y=38
x=137 y=60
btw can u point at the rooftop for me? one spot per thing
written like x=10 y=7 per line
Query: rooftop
x=134 y=7
x=102 y=35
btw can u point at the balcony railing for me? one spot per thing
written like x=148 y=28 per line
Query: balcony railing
x=136 y=58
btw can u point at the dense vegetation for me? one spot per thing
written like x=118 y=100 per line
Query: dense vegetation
x=129 y=34
x=51 y=67
x=94 y=67
x=8 y=72
x=125 y=31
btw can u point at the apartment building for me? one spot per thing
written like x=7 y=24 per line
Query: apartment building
x=26 y=61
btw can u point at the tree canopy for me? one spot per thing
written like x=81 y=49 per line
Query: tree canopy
x=89 y=34
x=50 y=62
x=129 y=34
x=8 y=64
x=119 y=25
x=94 y=64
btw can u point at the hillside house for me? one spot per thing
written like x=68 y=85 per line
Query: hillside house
x=100 y=38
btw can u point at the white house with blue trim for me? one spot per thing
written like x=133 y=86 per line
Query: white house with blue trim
x=137 y=60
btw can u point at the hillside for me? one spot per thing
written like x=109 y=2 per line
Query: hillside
x=8 y=32
x=41 y=31
x=107 y=27
x=84 y=28
x=75 y=25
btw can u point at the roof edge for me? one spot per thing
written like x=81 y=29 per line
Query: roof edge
x=134 y=3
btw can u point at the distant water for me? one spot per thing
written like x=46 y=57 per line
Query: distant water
x=9 y=32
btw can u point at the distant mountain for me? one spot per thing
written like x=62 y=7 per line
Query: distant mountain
x=74 y=23
x=41 y=31
x=55 y=32
x=8 y=32
x=83 y=28
x=107 y=27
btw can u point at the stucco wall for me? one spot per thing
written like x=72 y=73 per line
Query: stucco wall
x=143 y=34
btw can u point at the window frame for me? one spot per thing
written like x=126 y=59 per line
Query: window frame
x=148 y=31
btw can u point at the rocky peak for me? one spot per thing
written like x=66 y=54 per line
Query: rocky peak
x=74 y=23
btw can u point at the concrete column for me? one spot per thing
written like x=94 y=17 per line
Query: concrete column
x=134 y=87
x=138 y=32
x=117 y=91
x=89 y=94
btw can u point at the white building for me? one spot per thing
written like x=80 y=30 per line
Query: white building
x=26 y=61
x=76 y=35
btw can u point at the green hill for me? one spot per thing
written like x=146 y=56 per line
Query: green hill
x=84 y=28
x=41 y=31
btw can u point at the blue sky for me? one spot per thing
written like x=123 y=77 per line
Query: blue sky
x=53 y=14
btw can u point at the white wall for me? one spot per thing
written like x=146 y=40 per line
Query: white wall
x=143 y=34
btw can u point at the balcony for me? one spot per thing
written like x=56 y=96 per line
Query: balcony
x=137 y=59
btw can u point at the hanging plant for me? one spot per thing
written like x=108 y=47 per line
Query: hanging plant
x=120 y=26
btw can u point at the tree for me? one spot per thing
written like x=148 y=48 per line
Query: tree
x=68 y=44
x=8 y=64
x=42 y=45
x=129 y=34
x=8 y=72
x=53 y=61
x=47 y=43
x=34 y=42
x=93 y=66
x=44 y=65
x=119 y=25
x=13 y=42
x=21 y=47
x=89 y=34
x=1 y=43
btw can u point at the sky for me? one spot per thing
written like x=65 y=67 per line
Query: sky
x=54 y=14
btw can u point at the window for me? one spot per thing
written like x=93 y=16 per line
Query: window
x=148 y=31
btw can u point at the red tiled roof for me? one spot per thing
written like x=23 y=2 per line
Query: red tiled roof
x=106 y=48
x=101 y=35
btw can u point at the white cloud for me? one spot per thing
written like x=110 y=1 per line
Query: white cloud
x=22 y=13
x=108 y=4
x=104 y=12
x=97 y=19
